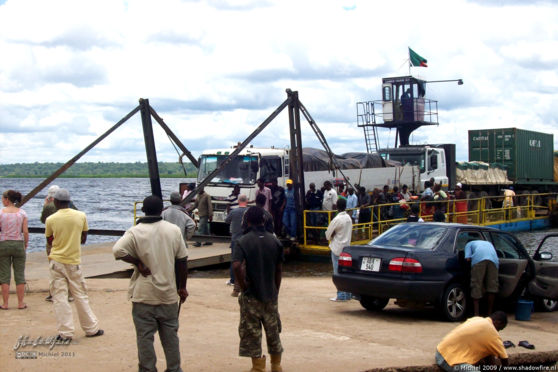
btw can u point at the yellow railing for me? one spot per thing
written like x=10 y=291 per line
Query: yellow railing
x=478 y=211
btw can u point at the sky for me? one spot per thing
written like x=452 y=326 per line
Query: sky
x=214 y=70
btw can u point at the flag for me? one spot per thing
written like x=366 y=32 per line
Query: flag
x=417 y=60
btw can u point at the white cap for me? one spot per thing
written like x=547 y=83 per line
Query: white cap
x=52 y=190
x=459 y=185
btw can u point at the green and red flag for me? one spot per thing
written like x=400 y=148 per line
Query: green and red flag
x=417 y=60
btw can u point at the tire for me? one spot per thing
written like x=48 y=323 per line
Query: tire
x=547 y=305
x=453 y=305
x=373 y=303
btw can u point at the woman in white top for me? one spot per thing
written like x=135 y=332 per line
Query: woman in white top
x=14 y=239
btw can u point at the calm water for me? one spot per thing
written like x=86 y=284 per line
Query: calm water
x=109 y=203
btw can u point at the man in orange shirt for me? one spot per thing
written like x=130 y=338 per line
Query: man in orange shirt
x=473 y=343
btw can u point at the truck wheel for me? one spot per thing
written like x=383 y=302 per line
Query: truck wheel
x=545 y=304
x=373 y=303
x=453 y=305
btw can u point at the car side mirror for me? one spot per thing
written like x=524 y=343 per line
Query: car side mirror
x=545 y=256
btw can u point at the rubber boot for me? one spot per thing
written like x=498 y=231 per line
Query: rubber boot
x=276 y=363
x=258 y=364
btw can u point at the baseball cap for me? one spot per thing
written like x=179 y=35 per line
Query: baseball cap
x=62 y=195
x=459 y=185
x=52 y=190
x=175 y=197
x=289 y=182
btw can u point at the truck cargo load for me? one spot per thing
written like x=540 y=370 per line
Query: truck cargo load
x=480 y=173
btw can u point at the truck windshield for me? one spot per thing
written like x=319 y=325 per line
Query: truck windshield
x=416 y=159
x=241 y=170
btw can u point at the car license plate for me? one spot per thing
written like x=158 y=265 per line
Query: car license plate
x=370 y=264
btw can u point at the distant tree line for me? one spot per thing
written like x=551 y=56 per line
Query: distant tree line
x=91 y=170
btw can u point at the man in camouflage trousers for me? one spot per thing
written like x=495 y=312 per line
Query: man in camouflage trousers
x=257 y=265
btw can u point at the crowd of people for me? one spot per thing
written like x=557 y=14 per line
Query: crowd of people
x=157 y=247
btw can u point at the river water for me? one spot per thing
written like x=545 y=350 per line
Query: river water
x=109 y=202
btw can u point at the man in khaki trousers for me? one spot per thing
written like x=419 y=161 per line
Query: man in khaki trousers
x=66 y=230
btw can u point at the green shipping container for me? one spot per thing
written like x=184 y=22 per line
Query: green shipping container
x=527 y=155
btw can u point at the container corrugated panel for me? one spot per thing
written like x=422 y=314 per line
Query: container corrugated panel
x=527 y=155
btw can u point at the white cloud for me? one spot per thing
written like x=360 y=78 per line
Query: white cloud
x=215 y=69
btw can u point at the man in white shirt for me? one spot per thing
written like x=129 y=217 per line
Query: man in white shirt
x=156 y=248
x=339 y=234
x=330 y=197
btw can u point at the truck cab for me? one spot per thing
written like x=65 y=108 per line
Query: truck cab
x=431 y=161
x=244 y=170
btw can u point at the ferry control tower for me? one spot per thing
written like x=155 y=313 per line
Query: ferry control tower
x=402 y=107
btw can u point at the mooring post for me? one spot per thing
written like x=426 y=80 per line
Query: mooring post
x=150 y=148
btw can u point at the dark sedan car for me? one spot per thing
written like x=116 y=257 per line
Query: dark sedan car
x=424 y=263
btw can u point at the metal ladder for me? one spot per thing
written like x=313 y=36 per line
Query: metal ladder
x=366 y=119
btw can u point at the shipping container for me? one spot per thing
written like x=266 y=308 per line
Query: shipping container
x=527 y=155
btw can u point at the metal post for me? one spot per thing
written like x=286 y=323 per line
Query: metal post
x=150 y=148
x=295 y=155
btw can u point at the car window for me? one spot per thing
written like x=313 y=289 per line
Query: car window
x=419 y=236
x=465 y=237
x=507 y=246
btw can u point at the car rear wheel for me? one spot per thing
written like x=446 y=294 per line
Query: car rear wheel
x=373 y=303
x=546 y=304
x=454 y=303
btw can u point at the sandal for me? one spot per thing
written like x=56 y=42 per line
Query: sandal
x=23 y=307
x=3 y=308
x=526 y=345
x=508 y=344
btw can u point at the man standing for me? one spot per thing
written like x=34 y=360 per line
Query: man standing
x=157 y=250
x=262 y=189
x=330 y=197
x=178 y=215
x=314 y=203
x=484 y=272
x=339 y=234
x=205 y=212
x=289 y=214
x=234 y=219
x=259 y=282
x=475 y=342
x=277 y=205
x=232 y=199
x=65 y=231
x=352 y=202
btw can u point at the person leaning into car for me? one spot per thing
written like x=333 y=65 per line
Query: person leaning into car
x=484 y=272
x=473 y=343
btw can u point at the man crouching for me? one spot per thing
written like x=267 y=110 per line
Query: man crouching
x=157 y=249
x=257 y=264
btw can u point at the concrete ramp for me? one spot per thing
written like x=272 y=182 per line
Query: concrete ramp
x=98 y=262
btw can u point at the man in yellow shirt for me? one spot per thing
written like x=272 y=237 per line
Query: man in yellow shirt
x=65 y=231
x=470 y=343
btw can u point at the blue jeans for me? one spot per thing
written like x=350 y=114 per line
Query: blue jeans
x=340 y=294
x=289 y=221
x=149 y=319
x=203 y=226
x=441 y=362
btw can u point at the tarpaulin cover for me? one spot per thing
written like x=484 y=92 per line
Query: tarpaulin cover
x=318 y=160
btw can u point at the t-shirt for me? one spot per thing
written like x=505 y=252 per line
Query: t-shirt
x=234 y=218
x=290 y=197
x=262 y=252
x=330 y=199
x=481 y=250
x=314 y=199
x=267 y=193
x=472 y=341
x=11 y=225
x=177 y=215
x=66 y=226
x=339 y=232
x=352 y=202
x=277 y=197
x=157 y=245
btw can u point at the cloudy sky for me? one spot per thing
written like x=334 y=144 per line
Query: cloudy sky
x=215 y=69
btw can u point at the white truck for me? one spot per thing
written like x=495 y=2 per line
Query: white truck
x=253 y=163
